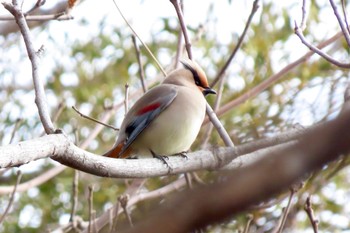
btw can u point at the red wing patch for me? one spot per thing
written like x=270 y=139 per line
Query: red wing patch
x=148 y=108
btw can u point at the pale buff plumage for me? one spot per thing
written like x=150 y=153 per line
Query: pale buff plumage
x=166 y=120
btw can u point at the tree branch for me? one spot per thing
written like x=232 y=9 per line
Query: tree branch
x=19 y=176
x=40 y=97
x=253 y=184
x=58 y=16
x=178 y=10
x=300 y=34
x=340 y=21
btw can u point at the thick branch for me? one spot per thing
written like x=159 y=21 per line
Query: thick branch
x=60 y=149
x=258 y=182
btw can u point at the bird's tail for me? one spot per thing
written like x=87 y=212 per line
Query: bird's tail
x=114 y=152
x=118 y=152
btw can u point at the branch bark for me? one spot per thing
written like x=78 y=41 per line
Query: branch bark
x=258 y=182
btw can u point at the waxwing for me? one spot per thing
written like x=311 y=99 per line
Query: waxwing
x=165 y=120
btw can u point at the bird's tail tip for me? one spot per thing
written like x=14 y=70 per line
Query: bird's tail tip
x=114 y=152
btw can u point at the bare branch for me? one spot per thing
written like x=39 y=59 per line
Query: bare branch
x=250 y=219
x=143 y=43
x=279 y=227
x=90 y=199
x=59 y=16
x=93 y=119
x=310 y=214
x=251 y=185
x=177 y=7
x=303 y=16
x=35 y=181
x=219 y=127
x=179 y=49
x=17 y=124
x=343 y=4
x=300 y=34
x=341 y=23
x=126 y=98
x=19 y=176
x=215 y=108
x=38 y=4
x=255 y=7
x=139 y=61
x=124 y=199
x=40 y=97
x=62 y=150
x=75 y=195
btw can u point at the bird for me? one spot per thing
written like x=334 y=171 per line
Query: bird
x=166 y=120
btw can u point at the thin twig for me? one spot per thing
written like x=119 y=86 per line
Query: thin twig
x=178 y=10
x=246 y=227
x=179 y=49
x=188 y=178
x=286 y=211
x=300 y=34
x=139 y=61
x=113 y=215
x=310 y=214
x=19 y=176
x=91 y=191
x=343 y=4
x=75 y=195
x=255 y=7
x=17 y=124
x=126 y=98
x=143 y=43
x=40 y=96
x=303 y=16
x=341 y=23
x=124 y=199
x=219 y=127
x=59 y=111
x=216 y=107
x=38 y=4
x=59 y=16
x=94 y=120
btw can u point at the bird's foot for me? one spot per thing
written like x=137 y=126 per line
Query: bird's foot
x=162 y=158
x=183 y=154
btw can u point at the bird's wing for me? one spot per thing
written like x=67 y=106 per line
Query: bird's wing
x=146 y=110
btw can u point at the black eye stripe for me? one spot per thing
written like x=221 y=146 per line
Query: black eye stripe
x=197 y=80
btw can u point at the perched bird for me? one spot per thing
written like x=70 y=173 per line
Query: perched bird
x=165 y=120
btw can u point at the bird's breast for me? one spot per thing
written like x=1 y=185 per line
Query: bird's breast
x=177 y=127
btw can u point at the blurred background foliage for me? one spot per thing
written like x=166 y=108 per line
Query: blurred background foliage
x=90 y=71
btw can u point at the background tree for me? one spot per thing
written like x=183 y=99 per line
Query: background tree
x=271 y=88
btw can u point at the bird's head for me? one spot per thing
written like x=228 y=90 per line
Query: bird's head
x=191 y=74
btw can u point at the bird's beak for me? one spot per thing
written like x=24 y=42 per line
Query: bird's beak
x=208 y=90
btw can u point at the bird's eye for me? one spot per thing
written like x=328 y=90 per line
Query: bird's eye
x=197 y=83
